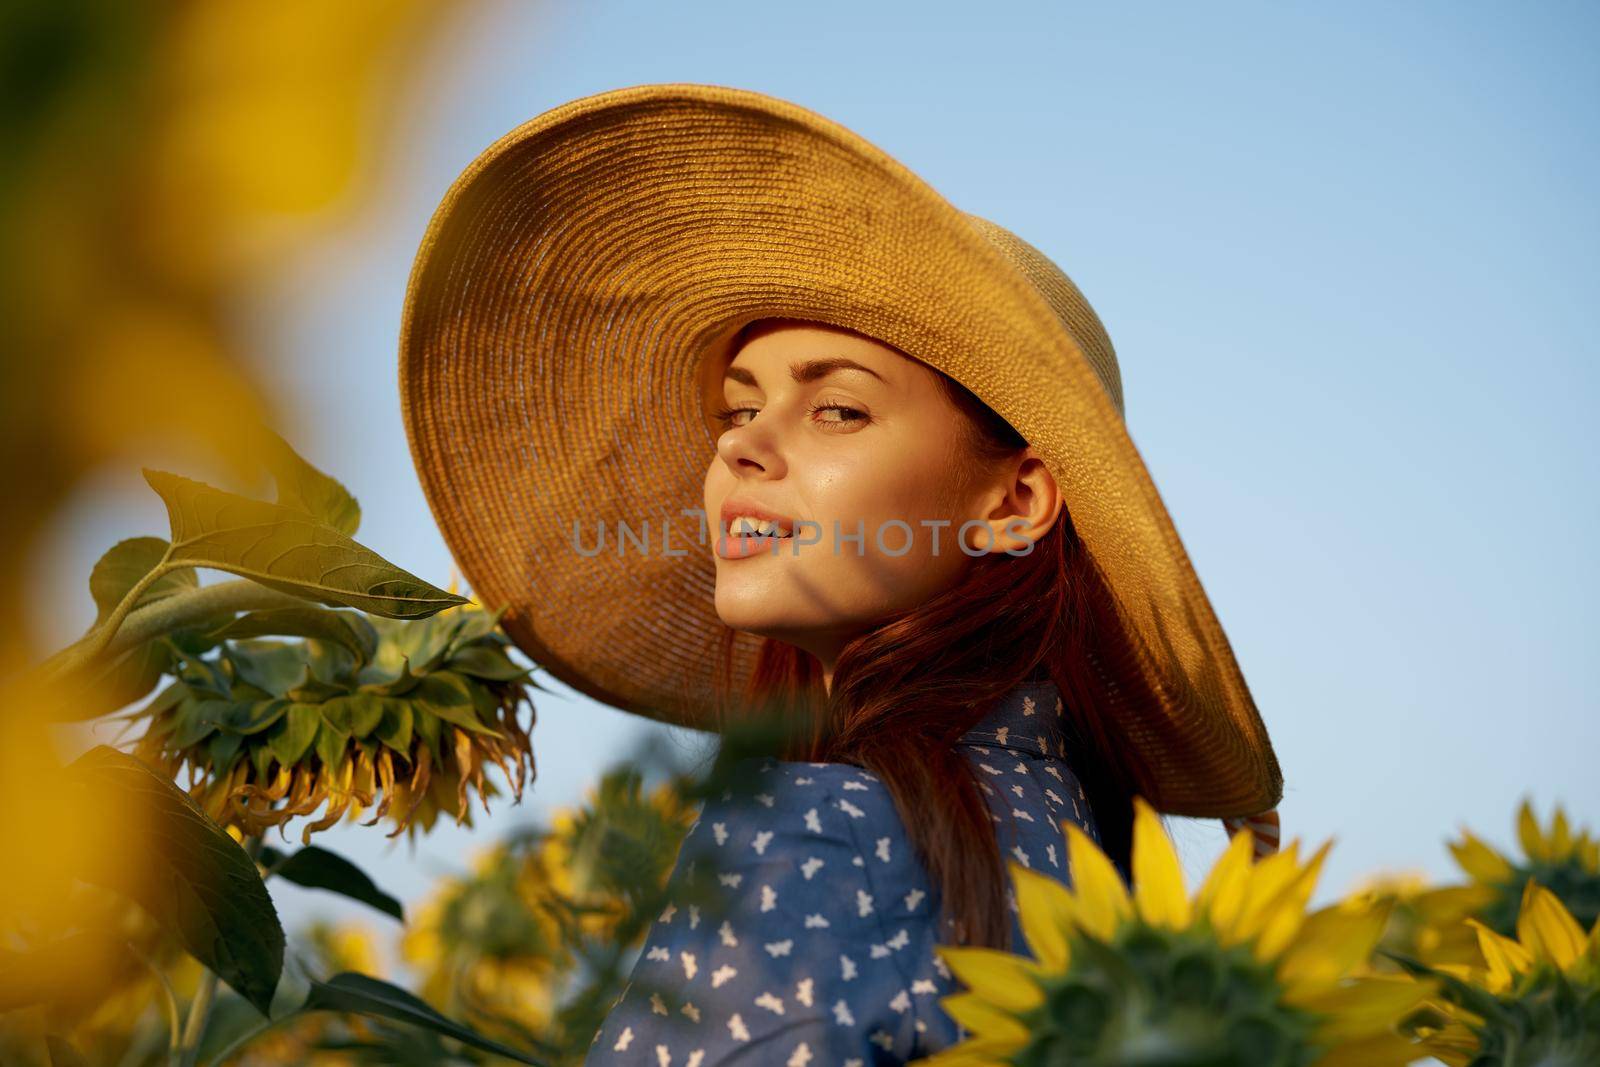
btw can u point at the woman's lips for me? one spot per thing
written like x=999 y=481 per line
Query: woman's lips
x=743 y=546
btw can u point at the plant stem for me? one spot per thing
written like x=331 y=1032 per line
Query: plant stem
x=169 y=1000
x=248 y=1036
x=195 y=1027
x=164 y=616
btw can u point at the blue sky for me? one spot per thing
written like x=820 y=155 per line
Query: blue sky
x=1347 y=255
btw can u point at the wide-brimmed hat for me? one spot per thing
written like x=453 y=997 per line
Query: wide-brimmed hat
x=583 y=277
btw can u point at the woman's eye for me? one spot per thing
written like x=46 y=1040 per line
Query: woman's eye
x=841 y=415
x=725 y=416
x=848 y=416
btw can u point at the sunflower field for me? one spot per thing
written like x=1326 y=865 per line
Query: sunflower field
x=159 y=162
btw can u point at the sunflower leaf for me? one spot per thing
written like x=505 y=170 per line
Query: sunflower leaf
x=122 y=568
x=484 y=662
x=394 y=729
x=344 y=628
x=305 y=488
x=293 y=734
x=195 y=880
x=286 y=549
x=317 y=868
x=450 y=697
x=361 y=995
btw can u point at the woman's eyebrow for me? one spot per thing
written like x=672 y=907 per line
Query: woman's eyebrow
x=809 y=370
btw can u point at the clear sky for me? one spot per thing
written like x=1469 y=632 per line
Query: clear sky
x=1348 y=255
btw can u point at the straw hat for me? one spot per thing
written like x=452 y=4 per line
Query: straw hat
x=586 y=273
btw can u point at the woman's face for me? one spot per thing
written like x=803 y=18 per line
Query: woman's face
x=837 y=434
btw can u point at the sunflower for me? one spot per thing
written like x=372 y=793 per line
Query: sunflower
x=1564 y=861
x=399 y=717
x=620 y=845
x=1426 y=921
x=1240 y=973
x=483 y=944
x=1532 y=999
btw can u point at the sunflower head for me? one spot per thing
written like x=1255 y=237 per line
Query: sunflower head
x=1563 y=859
x=1236 y=973
x=362 y=713
x=484 y=946
x=618 y=848
x=1425 y=921
x=1529 y=999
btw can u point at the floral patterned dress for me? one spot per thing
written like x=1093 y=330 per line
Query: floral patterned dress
x=813 y=947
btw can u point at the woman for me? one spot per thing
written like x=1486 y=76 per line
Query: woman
x=928 y=553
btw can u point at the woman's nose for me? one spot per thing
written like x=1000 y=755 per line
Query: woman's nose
x=751 y=448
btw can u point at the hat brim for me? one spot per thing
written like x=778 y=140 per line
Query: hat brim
x=573 y=287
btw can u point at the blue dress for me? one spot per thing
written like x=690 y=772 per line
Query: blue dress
x=814 y=947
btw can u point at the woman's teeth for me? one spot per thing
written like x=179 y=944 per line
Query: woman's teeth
x=745 y=526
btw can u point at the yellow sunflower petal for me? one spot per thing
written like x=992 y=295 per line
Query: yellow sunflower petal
x=1046 y=913
x=1332 y=942
x=1101 y=898
x=1276 y=898
x=1382 y=1050
x=1363 y=1007
x=1222 y=894
x=1561 y=840
x=1006 y=981
x=1547 y=929
x=1264 y=888
x=1159 y=893
x=978 y=1052
x=983 y=1018
x=1480 y=861
x=1504 y=958
x=1528 y=832
x=1450 y=904
x=1454 y=1043
x=1283 y=917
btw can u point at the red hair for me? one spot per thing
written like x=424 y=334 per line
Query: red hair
x=904 y=692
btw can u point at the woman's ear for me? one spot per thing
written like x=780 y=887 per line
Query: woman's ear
x=1020 y=507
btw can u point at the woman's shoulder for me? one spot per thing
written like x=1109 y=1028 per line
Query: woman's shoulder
x=798 y=923
x=1031 y=795
x=794 y=817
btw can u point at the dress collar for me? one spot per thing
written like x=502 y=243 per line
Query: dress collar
x=1029 y=719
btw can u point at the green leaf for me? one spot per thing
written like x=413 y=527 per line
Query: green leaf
x=357 y=714
x=122 y=568
x=331 y=744
x=340 y=627
x=394 y=685
x=274 y=667
x=294 y=733
x=305 y=488
x=484 y=662
x=449 y=696
x=317 y=868
x=197 y=719
x=102 y=687
x=252 y=716
x=285 y=549
x=394 y=729
x=332 y=664
x=475 y=626
x=361 y=995
x=425 y=644
x=314 y=690
x=193 y=877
